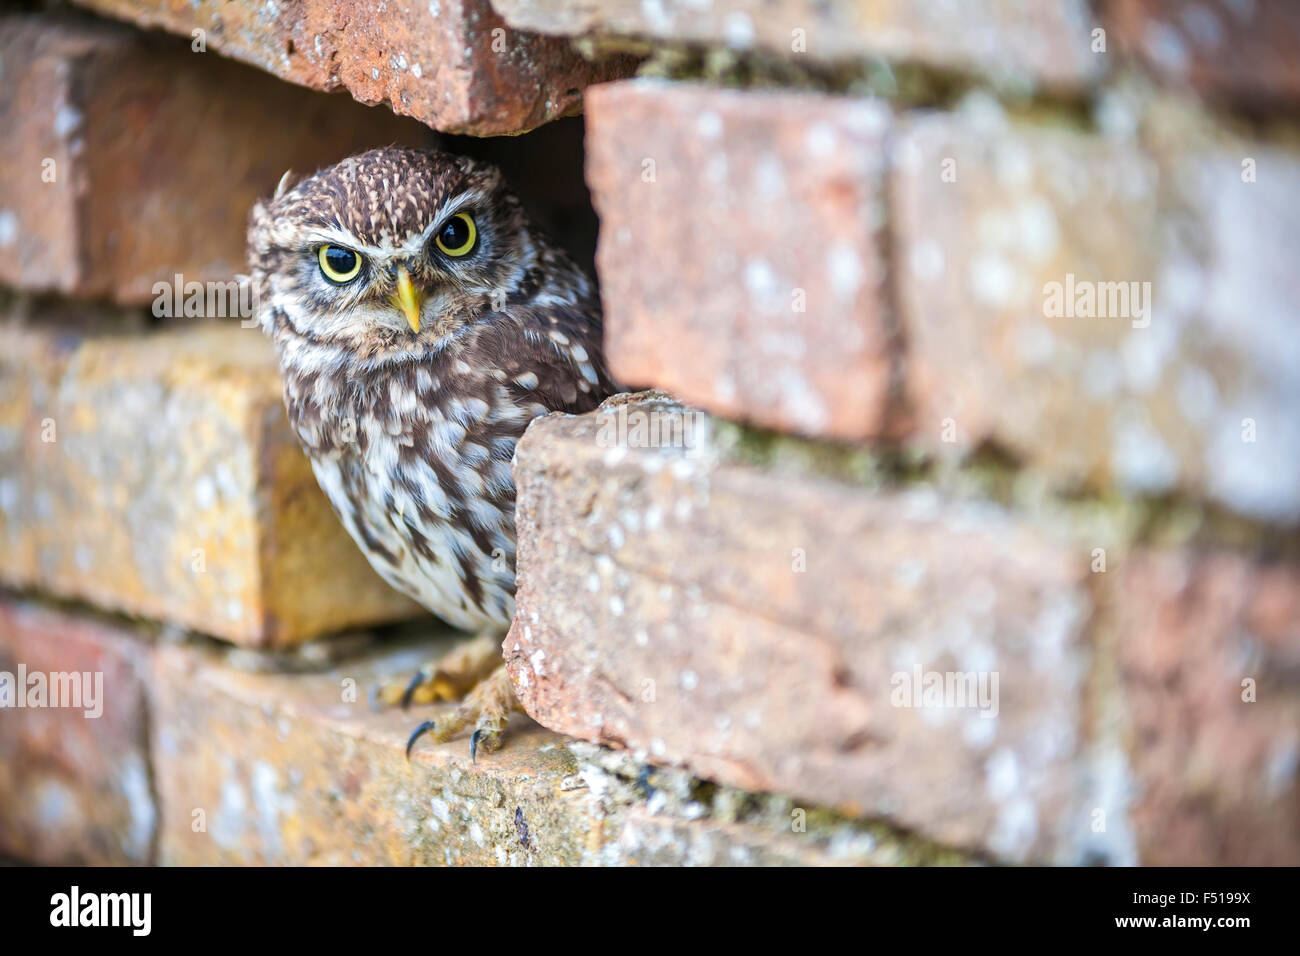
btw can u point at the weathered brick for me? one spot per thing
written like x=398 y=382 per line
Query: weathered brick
x=155 y=155
x=74 y=788
x=752 y=626
x=453 y=64
x=1209 y=653
x=1012 y=41
x=737 y=251
x=1246 y=52
x=293 y=769
x=158 y=475
x=1194 y=394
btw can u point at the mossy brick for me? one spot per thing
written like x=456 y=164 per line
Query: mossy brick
x=751 y=625
x=761 y=619
x=1018 y=44
x=1110 y=313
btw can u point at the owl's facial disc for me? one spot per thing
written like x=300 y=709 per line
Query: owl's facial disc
x=392 y=250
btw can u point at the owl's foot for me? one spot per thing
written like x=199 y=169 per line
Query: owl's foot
x=487 y=707
x=450 y=678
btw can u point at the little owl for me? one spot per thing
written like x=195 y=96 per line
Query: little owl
x=422 y=321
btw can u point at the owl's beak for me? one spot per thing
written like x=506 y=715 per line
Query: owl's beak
x=408 y=299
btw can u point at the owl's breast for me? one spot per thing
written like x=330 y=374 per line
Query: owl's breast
x=425 y=490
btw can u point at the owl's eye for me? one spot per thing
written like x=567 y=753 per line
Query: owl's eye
x=339 y=265
x=458 y=236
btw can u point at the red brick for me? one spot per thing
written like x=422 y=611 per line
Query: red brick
x=1248 y=53
x=1216 y=775
x=987 y=213
x=737 y=254
x=75 y=789
x=661 y=607
x=452 y=64
x=1011 y=41
x=158 y=154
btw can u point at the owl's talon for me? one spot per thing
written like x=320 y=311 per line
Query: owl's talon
x=451 y=677
x=417 y=733
x=487 y=737
x=416 y=680
x=487 y=708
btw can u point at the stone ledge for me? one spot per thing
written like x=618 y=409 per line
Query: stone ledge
x=286 y=771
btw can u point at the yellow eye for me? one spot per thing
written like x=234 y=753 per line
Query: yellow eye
x=458 y=236
x=338 y=264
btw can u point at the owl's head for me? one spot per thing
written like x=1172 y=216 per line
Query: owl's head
x=388 y=249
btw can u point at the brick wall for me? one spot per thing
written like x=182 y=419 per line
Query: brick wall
x=961 y=524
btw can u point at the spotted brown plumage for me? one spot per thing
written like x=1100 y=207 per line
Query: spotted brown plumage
x=413 y=360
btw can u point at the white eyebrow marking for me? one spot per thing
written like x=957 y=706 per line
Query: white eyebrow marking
x=413 y=245
x=339 y=237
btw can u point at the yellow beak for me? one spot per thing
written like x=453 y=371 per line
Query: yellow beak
x=407 y=299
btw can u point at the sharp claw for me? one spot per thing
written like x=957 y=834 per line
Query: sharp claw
x=473 y=745
x=415 y=735
x=416 y=680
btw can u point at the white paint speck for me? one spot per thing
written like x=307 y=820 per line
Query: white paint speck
x=926 y=259
x=709 y=125
x=66 y=120
x=8 y=227
x=846 y=272
x=992 y=279
x=738 y=30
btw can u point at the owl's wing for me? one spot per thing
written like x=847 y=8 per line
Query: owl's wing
x=563 y=363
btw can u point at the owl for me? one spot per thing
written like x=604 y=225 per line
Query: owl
x=421 y=322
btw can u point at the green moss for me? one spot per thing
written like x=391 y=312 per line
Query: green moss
x=903 y=84
x=906 y=85
x=764 y=448
x=1100 y=515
